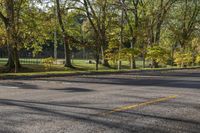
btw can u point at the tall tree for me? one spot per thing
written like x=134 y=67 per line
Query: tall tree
x=159 y=14
x=97 y=13
x=10 y=21
x=64 y=35
x=133 y=25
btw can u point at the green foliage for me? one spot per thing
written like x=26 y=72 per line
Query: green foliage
x=127 y=53
x=156 y=28
x=158 y=54
x=2 y=36
x=112 y=55
x=197 y=59
x=48 y=62
x=183 y=59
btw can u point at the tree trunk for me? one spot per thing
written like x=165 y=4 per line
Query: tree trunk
x=173 y=48
x=10 y=63
x=13 y=57
x=133 y=63
x=133 y=30
x=102 y=29
x=119 y=64
x=121 y=39
x=67 y=52
x=97 y=61
x=13 y=63
x=65 y=37
x=16 y=59
x=155 y=64
x=143 y=62
x=105 y=61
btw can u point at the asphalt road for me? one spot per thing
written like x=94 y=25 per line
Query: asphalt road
x=152 y=102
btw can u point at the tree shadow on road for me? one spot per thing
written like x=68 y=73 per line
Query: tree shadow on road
x=23 y=85
x=19 y=85
x=135 y=81
x=73 y=89
x=40 y=109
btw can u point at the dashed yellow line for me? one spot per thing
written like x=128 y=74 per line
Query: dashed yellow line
x=128 y=107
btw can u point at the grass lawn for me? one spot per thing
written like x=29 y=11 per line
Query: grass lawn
x=34 y=65
x=31 y=70
x=80 y=66
x=39 y=69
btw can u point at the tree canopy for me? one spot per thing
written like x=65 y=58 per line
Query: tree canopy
x=166 y=32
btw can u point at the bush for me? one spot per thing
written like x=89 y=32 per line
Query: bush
x=127 y=53
x=183 y=59
x=112 y=55
x=48 y=62
x=158 y=54
x=198 y=59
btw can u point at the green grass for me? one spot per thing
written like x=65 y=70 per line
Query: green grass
x=76 y=62
x=39 y=69
x=34 y=65
x=80 y=67
x=32 y=70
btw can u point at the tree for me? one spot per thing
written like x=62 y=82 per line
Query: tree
x=10 y=21
x=158 y=53
x=158 y=17
x=98 y=13
x=64 y=35
x=183 y=59
x=133 y=26
x=184 y=22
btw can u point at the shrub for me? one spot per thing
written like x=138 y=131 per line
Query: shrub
x=127 y=53
x=183 y=59
x=158 y=54
x=198 y=59
x=48 y=62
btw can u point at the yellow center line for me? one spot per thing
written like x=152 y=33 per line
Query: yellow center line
x=128 y=107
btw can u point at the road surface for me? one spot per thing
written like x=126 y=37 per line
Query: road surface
x=153 y=102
